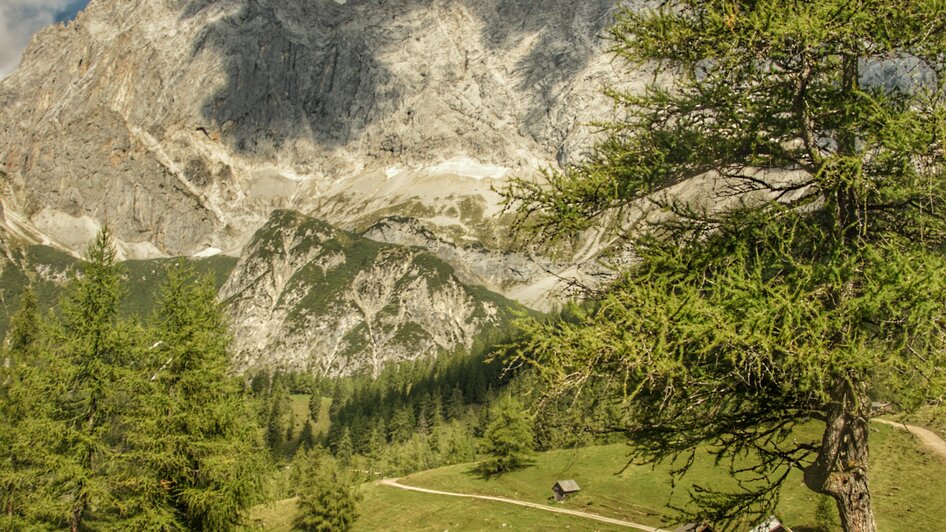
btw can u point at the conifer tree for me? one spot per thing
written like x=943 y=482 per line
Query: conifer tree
x=377 y=445
x=345 y=450
x=279 y=412
x=95 y=384
x=315 y=405
x=193 y=431
x=807 y=276
x=436 y=409
x=71 y=401
x=507 y=438
x=23 y=405
x=455 y=405
x=402 y=424
x=23 y=333
x=455 y=444
x=328 y=497
x=307 y=437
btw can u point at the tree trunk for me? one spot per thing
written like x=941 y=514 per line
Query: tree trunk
x=78 y=508
x=840 y=470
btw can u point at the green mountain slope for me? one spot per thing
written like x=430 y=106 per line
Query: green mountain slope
x=48 y=270
x=304 y=296
x=307 y=296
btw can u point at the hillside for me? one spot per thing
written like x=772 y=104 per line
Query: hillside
x=49 y=269
x=909 y=493
x=306 y=296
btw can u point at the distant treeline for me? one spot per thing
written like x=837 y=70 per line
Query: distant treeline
x=426 y=413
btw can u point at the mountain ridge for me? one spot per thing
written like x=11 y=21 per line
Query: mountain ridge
x=287 y=105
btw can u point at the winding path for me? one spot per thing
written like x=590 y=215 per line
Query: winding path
x=927 y=437
x=393 y=482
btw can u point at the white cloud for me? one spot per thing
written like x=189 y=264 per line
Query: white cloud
x=19 y=20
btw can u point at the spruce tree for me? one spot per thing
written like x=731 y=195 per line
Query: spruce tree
x=279 y=412
x=436 y=409
x=315 y=405
x=455 y=405
x=377 y=447
x=402 y=424
x=345 y=450
x=307 y=437
x=290 y=429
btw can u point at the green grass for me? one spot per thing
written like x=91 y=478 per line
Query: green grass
x=300 y=414
x=299 y=406
x=908 y=484
x=274 y=516
x=384 y=508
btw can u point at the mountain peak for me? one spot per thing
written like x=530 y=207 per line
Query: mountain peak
x=186 y=123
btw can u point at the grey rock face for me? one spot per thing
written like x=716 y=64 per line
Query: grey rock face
x=309 y=297
x=534 y=281
x=184 y=123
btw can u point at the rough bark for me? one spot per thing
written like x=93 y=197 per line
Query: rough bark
x=841 y=469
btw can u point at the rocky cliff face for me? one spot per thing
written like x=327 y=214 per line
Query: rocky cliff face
x=184 y=123
x=305 y=296
x=309 y=297
x=187 y=125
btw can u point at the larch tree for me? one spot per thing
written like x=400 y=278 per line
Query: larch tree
x=808 y=275
x=508 y=439
x=72 y=389
x=22 y=405
x=194 y=434
x=93 y=387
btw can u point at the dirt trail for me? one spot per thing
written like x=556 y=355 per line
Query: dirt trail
x=393 y=482
x=927 y=437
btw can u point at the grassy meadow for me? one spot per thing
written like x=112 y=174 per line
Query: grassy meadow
x=908 y=485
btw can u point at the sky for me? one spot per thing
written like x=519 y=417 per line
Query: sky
x=20 y=19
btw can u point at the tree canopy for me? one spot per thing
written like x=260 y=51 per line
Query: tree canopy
x=507 y=440
x=328 y=497
x=783 y=200
x=107 y=424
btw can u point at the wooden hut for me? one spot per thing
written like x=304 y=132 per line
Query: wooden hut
x=564 y=488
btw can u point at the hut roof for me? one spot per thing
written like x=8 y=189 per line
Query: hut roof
x=567 y=486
